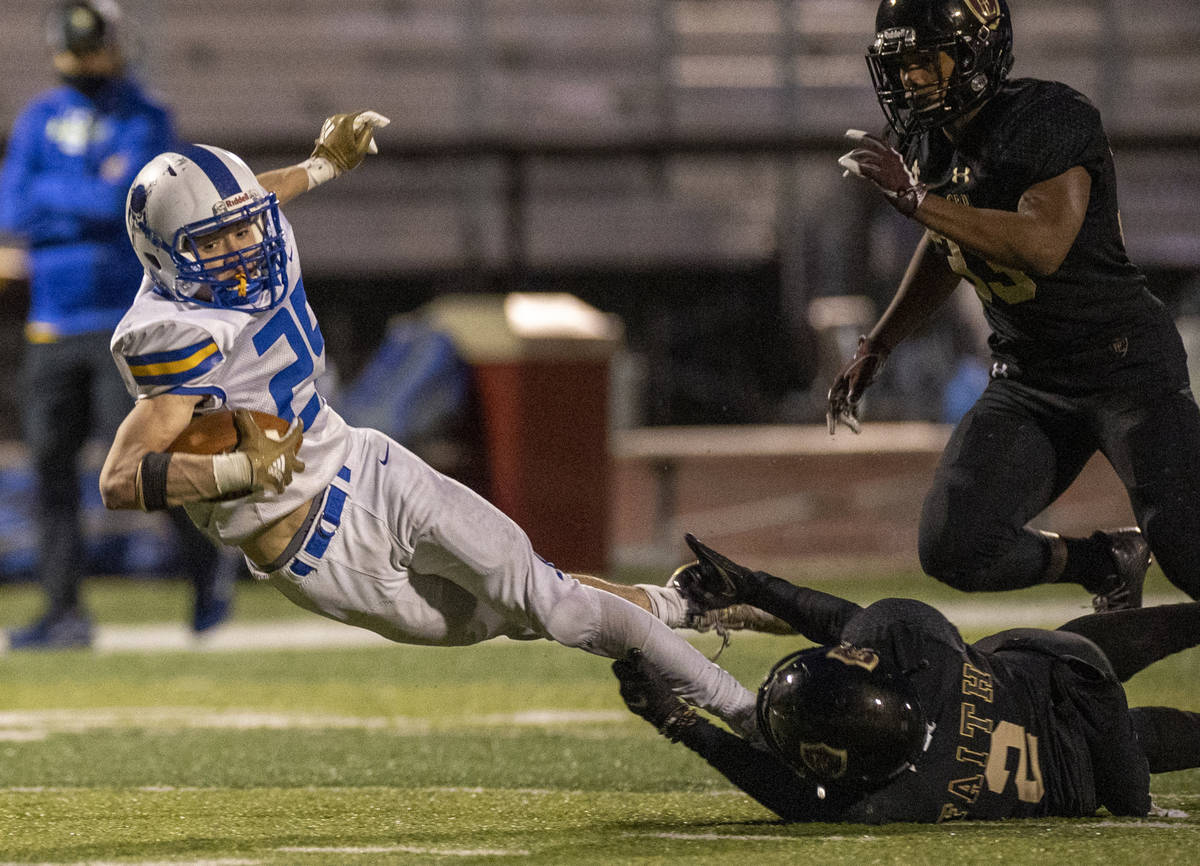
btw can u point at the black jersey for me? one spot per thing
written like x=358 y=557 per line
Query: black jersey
x=1026 y=723
x=1020 y=730
x=1092 y=323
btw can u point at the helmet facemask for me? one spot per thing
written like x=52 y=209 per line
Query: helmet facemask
x=207 y=232
x=970 y=61
x=247 y=274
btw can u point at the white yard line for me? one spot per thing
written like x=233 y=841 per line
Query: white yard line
x=407 y=849
x=220 y=861
x=992 y=611
x=32 y=725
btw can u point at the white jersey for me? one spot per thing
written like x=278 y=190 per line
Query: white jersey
x=268 y=361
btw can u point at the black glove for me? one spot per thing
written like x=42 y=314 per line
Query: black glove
x=874 y=160
x=648 y=696
x=848 y=388
x=712 y=581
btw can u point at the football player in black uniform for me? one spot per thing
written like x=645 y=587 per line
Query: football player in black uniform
x=1014 y=182
x=894 y=718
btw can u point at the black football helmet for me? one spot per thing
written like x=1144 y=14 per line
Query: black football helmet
x=975 y=34
x=837 y=715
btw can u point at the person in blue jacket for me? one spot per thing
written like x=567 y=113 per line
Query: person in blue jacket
x=71 y=155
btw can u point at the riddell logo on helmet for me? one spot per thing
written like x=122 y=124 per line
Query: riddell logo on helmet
x=987 y=11
x=904 y=35
x=234 y=201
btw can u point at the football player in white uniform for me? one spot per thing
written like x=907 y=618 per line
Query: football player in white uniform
x=353 y=526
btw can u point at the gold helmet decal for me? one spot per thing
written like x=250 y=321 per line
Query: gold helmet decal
x=824 y=761
x=987 y=11
x=853 y=656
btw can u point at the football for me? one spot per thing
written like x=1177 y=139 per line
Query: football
x=215 y=433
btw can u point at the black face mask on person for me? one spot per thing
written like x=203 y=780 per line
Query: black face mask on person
x=88 y=85
x=80 y=30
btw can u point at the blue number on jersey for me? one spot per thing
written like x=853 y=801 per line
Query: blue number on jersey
x=283 y=384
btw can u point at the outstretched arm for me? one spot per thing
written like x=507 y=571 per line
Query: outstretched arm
x=758 y=773
x=754 y=770
x=287 y=183
x=816 y=615
x=344 y=142
x=715 y=581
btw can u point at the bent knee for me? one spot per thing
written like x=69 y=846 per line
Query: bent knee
x=958 y=566
x=574 y=619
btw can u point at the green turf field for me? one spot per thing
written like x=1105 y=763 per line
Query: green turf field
x=389 y=754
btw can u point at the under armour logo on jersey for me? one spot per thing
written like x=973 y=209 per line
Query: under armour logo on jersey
x=961 y=175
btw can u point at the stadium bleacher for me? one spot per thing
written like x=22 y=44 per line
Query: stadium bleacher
x=260 y=76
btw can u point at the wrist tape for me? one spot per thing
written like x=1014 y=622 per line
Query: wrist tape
x=232 y=473
x=319 y=170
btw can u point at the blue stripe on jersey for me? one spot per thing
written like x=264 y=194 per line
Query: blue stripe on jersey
x=222 y=178
x=174 y=367
x=309 y=414
x=168 y=357
x=210 y=390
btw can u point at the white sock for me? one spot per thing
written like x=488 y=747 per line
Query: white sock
x=623 y=625
x=667 y=604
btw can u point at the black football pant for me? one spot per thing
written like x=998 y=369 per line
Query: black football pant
x=71 y=390
x=1018 y=449
x=1133 y=640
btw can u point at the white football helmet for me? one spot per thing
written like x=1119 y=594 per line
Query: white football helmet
x=184 y=198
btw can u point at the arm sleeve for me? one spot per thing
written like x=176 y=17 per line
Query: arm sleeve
x=816 y=615
x=759 y=774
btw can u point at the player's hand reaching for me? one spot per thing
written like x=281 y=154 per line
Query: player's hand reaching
x=874 y=160
x=713 y=581
x=648 y=696
x=272 y=461
x=851 y=383
x=344 y=142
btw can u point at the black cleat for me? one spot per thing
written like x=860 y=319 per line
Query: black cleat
x=1131 y=558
